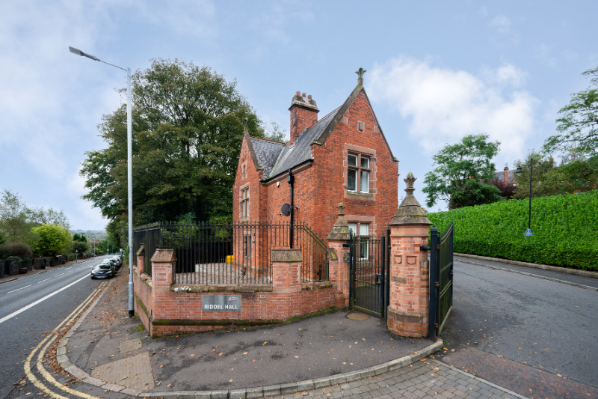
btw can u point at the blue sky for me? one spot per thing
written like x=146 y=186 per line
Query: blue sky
x=436 y=71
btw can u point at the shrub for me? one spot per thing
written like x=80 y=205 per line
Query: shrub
x=53 y=239
x=19 y=249
x=14 y=259
x=564 y=227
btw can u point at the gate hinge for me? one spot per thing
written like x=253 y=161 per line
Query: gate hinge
x=437 y=284
x=424 y=248
x=346 y=245
x=436 y=326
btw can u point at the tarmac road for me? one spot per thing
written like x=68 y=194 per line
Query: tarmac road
x=533 y=336
x=43 y=300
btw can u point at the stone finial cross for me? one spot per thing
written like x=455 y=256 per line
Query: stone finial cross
x=410 y=179
x=360 y=73
x=341 y=209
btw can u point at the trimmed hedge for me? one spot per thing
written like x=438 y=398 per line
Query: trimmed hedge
x=565 y=230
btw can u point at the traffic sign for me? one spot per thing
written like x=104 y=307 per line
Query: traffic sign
x=528 y=233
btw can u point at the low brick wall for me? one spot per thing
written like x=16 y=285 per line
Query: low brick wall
x=175 y=309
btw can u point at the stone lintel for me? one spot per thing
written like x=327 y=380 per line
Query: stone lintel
x=286 y=255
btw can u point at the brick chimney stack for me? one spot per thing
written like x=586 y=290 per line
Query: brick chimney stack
x=304 y=113
x=506 y=174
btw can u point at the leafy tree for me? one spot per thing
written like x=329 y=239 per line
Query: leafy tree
x=79 y=237
x=507 y=188
x=578 y=126
x=275 y=133
x=15 y=220
x=53 y=239
x=456 y=165
x=187 y=132
x=575 y=174
x=2 y=238
x=474 y=192
x=79 y=246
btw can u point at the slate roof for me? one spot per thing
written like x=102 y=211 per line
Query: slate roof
x=300 y=151
x=500 y=175
x=267 y=153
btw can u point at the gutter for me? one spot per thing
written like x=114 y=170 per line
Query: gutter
x=287 y=171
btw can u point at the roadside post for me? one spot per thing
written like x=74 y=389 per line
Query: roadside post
x=129 y=169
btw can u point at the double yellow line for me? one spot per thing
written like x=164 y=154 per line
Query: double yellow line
x=48 y=341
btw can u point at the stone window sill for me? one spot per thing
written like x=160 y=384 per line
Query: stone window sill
x=360 y=194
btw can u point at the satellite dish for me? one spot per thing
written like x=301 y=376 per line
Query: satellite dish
x=286 y=210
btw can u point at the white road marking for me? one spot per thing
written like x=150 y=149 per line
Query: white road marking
x=19 y=289
x=42 y=281
x=10 y=316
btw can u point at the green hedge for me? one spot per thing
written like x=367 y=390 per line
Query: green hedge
x=565 y=230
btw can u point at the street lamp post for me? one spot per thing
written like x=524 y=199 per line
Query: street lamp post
x=519 y=170
x=129 y=169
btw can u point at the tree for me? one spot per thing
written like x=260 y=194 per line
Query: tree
x=15 y=219
x=578 y=126
x=79 y=237
x=2 y=238
x=575 y=174
x=507 y=188
x=187 y=132
x=474 y=192
x=456 y=165
x=53 y=239
x=79 y=247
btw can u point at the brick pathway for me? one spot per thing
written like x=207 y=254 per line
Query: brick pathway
x=424 y=379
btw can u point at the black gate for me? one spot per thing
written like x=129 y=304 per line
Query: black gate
x=367 y=260
x=441 y=279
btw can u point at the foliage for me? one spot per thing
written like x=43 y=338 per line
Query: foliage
x=2 y=238
x=187 y=133
x=17 y=220
x=53 y=239
x=79 y=247
x=507 y=188
x=19 y=249
x=564 y=227
x=474 y=192
x=275 y=133
x=79 y=237
x=458 y=163
x=578 y=126
x=573 y=175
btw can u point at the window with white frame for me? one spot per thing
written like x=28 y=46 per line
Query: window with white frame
x=358 y=173
x=244 y=203
x=362 y=231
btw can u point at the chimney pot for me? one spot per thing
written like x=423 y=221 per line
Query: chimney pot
x=298 y=93
x=303 y=94
x=309 y=97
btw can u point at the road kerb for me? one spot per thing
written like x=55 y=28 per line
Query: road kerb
x=504 y=269
x=576 y=272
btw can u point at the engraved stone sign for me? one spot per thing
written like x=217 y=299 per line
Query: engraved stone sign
x=219 y=303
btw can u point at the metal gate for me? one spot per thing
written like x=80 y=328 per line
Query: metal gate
x=441 y=279
x=368 y=282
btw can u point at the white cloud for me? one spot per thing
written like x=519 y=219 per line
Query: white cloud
x=444 y=105
x=503 y=33
x=543 y=52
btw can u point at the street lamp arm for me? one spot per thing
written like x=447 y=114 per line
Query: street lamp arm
x=92 y=57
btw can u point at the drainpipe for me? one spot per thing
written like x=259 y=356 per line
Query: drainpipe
x=291 y=180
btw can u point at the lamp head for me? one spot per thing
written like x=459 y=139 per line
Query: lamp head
x=519 y=170
x=81 y=53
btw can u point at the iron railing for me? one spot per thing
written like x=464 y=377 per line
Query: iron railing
x=235 y=254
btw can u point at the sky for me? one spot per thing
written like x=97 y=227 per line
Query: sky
x=436 y=71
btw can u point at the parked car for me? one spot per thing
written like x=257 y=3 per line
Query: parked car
x=22 y=268
x=102 y=271
x=118 y=261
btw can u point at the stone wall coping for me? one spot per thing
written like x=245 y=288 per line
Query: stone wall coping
x=163 y=256
x=141 y=250
x=286 y=255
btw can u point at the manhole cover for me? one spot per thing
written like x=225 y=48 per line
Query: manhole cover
x=357 y=316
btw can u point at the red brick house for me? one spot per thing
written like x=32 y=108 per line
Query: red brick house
x=341 y=157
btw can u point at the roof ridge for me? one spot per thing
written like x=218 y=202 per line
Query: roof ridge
x=267 y=140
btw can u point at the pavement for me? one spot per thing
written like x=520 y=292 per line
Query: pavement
x=115 y=349
x=509 y=335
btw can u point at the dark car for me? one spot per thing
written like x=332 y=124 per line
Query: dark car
x=111 y=264
x=22 y=268
x=102 y=271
